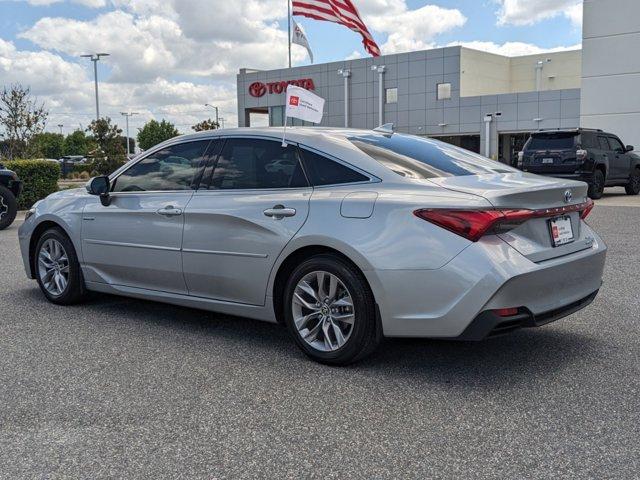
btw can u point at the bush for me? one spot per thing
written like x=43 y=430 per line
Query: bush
x=40 y=178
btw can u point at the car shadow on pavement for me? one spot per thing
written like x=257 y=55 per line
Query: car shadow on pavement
x=497 y=362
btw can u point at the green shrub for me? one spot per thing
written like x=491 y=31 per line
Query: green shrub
x=40 y=178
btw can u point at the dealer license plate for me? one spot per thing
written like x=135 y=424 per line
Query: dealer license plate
x=561 y=231
x=547 y=160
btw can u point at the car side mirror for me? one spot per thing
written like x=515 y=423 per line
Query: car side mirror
x=100 y=186
x=629 y=148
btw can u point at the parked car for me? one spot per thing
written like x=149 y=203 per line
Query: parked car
x=593 y=156
x=75 y=159
x=10 y=188
x=371 y=234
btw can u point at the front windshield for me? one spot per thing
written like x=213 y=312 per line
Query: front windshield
x=421 y=157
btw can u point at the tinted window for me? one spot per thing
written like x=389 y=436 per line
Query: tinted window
x=323 y=171
x=552 y=141
x=604 y=145
x=251 y=163
x=616 y=144
x=421 y=157
x=588 y=140
x=172 y=168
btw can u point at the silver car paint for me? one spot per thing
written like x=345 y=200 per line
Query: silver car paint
x=426 y=280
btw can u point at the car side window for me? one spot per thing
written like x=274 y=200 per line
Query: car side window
x=323 y=171
x=249 y=163
x=588 y=140
x=172 y=168
x=616 y=145
x=604 y=144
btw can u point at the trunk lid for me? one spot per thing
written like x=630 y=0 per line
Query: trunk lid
x=520 y=190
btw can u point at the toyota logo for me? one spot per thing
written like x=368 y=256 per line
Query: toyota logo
x=568 y=196
x=257 y=89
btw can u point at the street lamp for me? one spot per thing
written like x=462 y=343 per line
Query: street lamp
x=94 y=57
x=539 y=67
x=209 y=105
x=60 y=127
x=126 y=116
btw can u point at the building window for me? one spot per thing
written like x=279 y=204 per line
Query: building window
x=444 y=91
x=276 y=116
x=392 y=95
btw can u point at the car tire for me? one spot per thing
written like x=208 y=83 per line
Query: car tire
x=63 y=261
x=596 y=188
x=633 y=187
x=360 y=337
x=8 y=207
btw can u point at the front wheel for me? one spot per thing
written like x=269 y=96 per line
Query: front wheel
x=633 y=187
x=8 y=207
x=330 y=311
x=596 y=188
x=57 y=268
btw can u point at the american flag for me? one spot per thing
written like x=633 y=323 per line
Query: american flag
x=337 y=11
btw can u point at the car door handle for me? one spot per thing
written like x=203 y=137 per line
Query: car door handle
x=279 y=211
x=169 y=211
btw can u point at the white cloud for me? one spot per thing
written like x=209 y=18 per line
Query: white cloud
x=409 y=29
x=86 y=3
x=354 y=55
x=528 y=12
x=512 y=49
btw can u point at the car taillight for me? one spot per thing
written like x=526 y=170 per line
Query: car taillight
x=474 y=224
x=588 y=206
x=581 y=154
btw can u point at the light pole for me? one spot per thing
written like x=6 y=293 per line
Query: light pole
x=60 y=127
x=94 y=57
x=345 y=73
x=126 y=121
x=380 y=69
x=216 y=108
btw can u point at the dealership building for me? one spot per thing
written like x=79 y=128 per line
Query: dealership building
x=481 y=101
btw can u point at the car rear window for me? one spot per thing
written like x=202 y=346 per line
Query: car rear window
x=553 y=141
x=422 y=157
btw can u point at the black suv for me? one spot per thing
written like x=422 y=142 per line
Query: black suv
x=10 y=188
x=593 y=156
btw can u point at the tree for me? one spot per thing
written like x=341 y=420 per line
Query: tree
x=153 y=132
x=47 y=145
x=76 y=143
x=207 y=124
x=20 y=118
x=109 y=152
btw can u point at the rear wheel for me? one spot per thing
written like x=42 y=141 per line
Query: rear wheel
x=633 y=187
x=330 y=311
x=8 y=207
x=57 y=268
x=596 y=188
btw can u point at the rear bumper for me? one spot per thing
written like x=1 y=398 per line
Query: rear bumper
x=488 y=324
x=487 y=275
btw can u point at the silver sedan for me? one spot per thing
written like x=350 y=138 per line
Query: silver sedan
x=344 y=236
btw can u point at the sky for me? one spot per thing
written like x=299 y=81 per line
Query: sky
x=168 y=58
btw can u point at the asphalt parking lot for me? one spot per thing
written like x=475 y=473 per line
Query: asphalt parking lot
x=120 y=388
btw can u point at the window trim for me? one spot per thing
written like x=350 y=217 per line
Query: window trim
x=114 y=176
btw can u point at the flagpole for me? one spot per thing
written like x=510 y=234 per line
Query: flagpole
x=289 y=29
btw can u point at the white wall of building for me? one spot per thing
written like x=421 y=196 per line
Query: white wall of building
x=610 y=97
x=483 y=73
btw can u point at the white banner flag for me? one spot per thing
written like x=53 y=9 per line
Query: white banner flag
x=300 y=38
x=303 y=104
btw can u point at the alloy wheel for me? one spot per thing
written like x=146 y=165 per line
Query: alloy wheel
x=323 y=311
x=53 y=267
x=4 y=208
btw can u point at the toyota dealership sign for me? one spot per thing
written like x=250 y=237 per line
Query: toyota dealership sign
x=258 y=89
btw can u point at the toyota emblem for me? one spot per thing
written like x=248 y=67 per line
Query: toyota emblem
x=568 y=196
x=257 y=89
